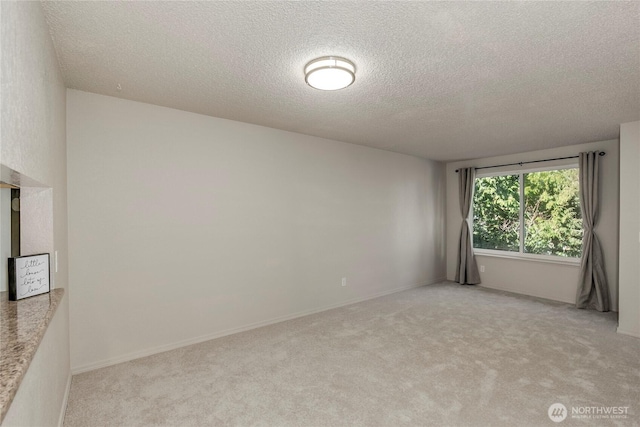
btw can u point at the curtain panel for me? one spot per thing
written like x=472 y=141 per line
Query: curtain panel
x=466 y=268
x=593 y=290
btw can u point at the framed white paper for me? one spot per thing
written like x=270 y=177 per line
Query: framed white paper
x=28 y=276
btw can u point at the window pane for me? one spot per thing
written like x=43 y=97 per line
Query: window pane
x=496 y=213
x=552 y=217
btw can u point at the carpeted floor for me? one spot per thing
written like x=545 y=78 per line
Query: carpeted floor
x=438 y=355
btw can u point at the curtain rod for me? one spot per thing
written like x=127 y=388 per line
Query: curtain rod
x=601 y=153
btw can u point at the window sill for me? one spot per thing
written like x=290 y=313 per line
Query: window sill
x=575 y=262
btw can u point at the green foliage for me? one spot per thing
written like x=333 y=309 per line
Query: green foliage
x=552 y=217
x=496 y=211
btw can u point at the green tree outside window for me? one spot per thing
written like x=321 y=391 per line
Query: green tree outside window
x=551 y=213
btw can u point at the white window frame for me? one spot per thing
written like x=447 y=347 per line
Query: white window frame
x=522 y=255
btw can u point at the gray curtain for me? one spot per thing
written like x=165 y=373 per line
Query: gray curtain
x=593 y=291
x=466 y=269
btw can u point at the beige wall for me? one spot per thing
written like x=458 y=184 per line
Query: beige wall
x=33 y=152
x=629 y=318
x=184 y=227
x=543 y=279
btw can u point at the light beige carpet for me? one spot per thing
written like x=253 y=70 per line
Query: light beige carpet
x=438 y=355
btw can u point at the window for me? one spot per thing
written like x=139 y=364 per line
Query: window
x=534 y=212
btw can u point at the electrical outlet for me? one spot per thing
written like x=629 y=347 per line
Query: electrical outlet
x=482 y=269
x=344 y=281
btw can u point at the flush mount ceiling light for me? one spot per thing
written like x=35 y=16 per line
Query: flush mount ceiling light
x=330 y=73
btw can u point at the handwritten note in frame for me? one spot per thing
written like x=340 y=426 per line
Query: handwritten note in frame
x=28 y=276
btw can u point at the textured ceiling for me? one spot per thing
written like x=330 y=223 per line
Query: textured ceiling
x=441 y=80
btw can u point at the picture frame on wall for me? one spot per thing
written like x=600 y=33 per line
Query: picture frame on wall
x=29 y=276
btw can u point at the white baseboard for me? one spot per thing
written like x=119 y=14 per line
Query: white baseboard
x=65 y=400
x=531 y=294
x=167 y=347
x=635 y=334
x=534 y=294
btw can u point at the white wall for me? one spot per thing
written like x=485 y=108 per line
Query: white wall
x=5 y=236
x=33 y=149
x=546 y=280
x=184 y=227
x=629 y=316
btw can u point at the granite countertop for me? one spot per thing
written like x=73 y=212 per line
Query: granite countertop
x=22 y=326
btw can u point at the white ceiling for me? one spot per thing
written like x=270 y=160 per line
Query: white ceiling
x=440 y=80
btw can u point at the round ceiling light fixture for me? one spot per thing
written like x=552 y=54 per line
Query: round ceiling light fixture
x=330 y=73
